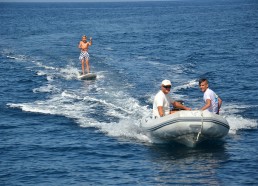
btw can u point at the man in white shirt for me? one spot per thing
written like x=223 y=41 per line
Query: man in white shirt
x=211 y=99
x=162 y=101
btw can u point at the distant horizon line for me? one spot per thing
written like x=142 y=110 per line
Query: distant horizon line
x=90 y=1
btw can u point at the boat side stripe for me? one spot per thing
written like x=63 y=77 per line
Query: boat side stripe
x=187 y=119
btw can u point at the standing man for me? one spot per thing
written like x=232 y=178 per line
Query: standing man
x=162 y=101
x=84 y=56
x=211 y=99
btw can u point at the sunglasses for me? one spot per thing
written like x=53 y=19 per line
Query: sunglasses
x=167 y=87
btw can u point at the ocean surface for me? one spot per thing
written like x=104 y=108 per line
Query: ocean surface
x=58 y=130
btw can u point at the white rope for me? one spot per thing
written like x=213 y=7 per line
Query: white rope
x=199 y=133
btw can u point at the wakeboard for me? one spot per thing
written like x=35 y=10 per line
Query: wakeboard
x=88 y=76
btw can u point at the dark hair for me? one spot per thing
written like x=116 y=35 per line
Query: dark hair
x=202 y=80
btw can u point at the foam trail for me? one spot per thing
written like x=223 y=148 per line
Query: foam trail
x=125 y=128
x=47 y=88
x=109 y=48
x=237 y=122
x=20 y=58
x=69 y=73
x=41 y=73
x=142 y=57
x=39 y=64
x=189 y=84
x=80 y=107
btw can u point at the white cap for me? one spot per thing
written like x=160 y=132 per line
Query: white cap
x=166 y=82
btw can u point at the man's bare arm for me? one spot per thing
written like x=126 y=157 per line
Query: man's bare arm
x=207 y=105
x=179 y=105
x=160 y=109
x=90 y=43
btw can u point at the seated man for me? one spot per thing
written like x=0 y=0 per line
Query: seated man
x=212 y=101
x=162 y=101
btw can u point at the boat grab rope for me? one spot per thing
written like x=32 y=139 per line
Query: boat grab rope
x=199 y=133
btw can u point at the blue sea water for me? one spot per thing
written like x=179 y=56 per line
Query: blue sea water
x=58 y=130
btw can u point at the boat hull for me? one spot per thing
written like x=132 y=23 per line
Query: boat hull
x=187 y=127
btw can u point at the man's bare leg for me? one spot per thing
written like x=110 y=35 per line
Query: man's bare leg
x=87 y=65
x=82 y=66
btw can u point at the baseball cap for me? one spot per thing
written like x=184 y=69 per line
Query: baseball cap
x=166 y=82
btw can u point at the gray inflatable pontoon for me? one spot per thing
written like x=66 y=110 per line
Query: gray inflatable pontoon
x=187 y=127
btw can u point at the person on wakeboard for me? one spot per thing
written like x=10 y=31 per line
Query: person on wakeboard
x=84 y=56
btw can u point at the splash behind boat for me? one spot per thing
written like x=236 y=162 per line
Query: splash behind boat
x=187 y=127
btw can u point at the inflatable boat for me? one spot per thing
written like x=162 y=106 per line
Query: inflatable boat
x=186 y=127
